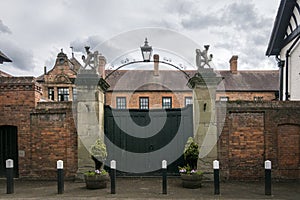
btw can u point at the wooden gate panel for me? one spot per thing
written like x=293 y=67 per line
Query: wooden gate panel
x=146 y=137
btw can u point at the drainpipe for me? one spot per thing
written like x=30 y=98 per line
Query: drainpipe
x=287 y=55
x=280 y=65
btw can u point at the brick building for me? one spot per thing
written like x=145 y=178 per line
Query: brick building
x=168 y=88
x=34 y=134
x=37 y=131
x=58 y=84
x=147 y=89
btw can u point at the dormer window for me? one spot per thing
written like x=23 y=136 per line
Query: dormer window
x=61 y=58
x=61 y=61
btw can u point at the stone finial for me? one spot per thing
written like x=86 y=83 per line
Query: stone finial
x=202 y=58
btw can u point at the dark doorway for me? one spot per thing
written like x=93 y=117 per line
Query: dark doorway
x=8 y=148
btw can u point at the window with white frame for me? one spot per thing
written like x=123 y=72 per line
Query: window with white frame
x=63 y=94
x=258 y=98
x=121 y=102
x=51 y=93
x=188 y=101
x=166 y=102
x=224 y=98
x=144 y=103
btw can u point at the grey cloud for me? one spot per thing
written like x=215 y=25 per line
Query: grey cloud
x=179 y=7
x=224 y=45
x=244 y=32
x=240 y=16
x=49 y=63
x=260 y=39
x=243 y=16
x=22 y=58
x=200 y=20
x=92 y=41
x=4 y=28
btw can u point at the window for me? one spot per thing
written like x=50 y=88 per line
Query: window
x=74 y=94
x=63 y=94
x=224 y=98
x=51 y=93
x=121 y=102
x=256 y=98
x=144 y=103
x=166 y=102
x=188 y=101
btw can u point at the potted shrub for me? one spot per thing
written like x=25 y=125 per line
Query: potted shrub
x=191 y=177
x=98 y=154
x=99 y=177
x=96 y=179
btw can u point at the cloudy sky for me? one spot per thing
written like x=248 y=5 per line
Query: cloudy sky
x=33 y=32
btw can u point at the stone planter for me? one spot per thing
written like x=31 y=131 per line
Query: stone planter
x=191 y=181
x=96 y=182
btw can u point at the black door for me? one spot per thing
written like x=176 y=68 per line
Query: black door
x=8 y=148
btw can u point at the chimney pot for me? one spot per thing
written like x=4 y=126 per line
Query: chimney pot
x=233 y=64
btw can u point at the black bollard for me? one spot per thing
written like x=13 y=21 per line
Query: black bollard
x=164 y=177
x=216 y=177
x=268 y=180
x=113 y=176
x=9 y=176
x=60 y=177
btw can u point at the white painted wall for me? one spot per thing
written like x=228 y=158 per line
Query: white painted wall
x=294 y=70
x=295 y=74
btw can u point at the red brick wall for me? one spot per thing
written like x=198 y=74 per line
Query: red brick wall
x=155 y=98
x=246 y=145
x=288 y=140
x=255 y=132
x=53 y=137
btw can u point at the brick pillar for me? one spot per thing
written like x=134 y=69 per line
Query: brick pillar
x=204 y=86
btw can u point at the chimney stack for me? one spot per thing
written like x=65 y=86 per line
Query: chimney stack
x=156 y=64
x=45 y=70
x=233 y=64
x=101 y=66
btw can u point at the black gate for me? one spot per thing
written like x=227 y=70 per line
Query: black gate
x=8 y=148
x=140 y=139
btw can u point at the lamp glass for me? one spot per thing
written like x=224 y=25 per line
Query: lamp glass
x=146 y=51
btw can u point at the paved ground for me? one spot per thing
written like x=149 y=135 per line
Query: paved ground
x=149 y=188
